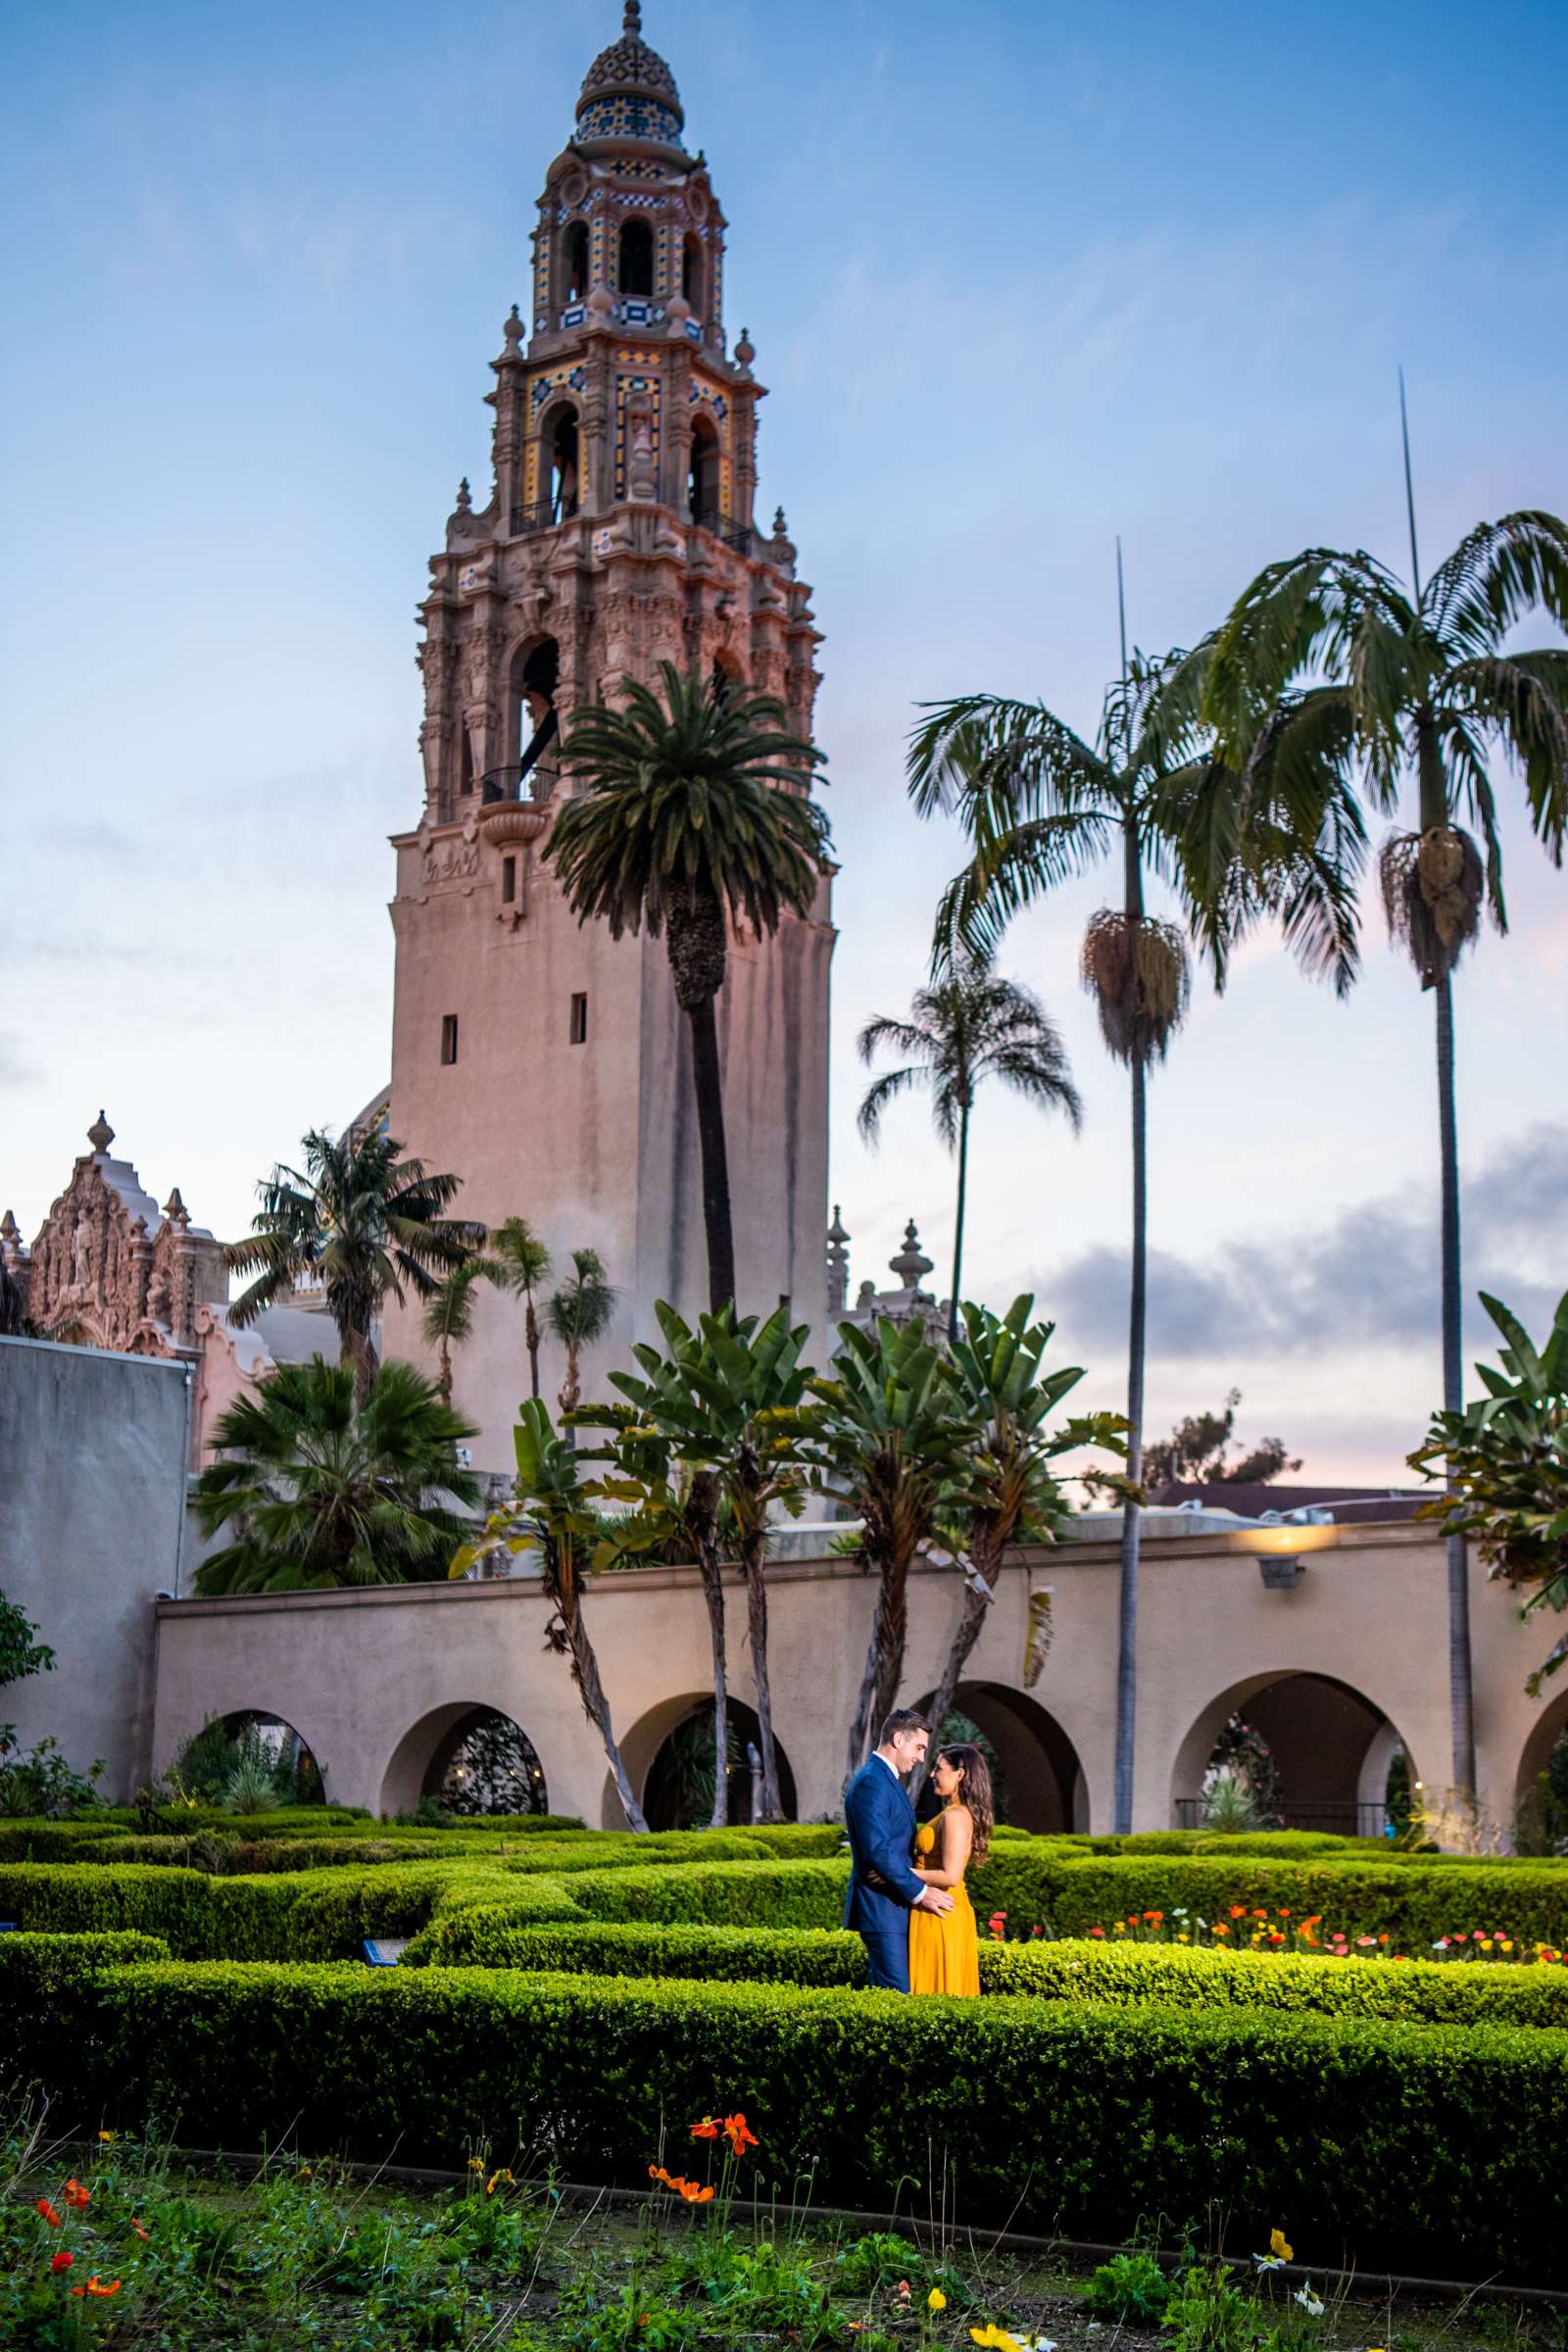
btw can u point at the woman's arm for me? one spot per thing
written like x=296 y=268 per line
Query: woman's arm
x=957 y=1842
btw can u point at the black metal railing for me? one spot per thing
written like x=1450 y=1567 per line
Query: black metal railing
x=506 y=783
x=541 y=516
x=733 y=533
x=1345 y=1820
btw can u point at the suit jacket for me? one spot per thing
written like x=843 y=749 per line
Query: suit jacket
x=880 y=1819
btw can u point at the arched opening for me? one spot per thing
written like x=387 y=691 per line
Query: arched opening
x=635 y=268
x=571 y=264
x=486 y=1763
x=670 y=1764
x=1293 y=1751
x=693 y=274
x=1541 y=1788
x=432 y=1749
x=249 y=1761
x=1038 y=1780
x=531 y=723
x=702 y=482
x=560 y=452
x=465 y=774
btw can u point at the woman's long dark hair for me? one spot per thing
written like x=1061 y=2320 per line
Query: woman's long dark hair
x=976 y=1794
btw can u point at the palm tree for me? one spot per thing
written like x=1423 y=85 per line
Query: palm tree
x=578 y=1315
x=448 y=1315
x=889 y=1436
x=320 y=1490
x=362 y=1221
x=1040 y=807
x=521 y=1265
x=692 y=813
x=558 y=1522
x=1413 y=684
x=969 y=1024
x=1005 y=1492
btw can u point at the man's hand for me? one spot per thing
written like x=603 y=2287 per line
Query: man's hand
x=935 y=1898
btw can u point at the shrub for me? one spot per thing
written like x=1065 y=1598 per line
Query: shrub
x=486 y=1935
x=34 y=1970
x=1332 y=2121
x=773 y=1895
x=1140 y=1974
x=1131 y=2288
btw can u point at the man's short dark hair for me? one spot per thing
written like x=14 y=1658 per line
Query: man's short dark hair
x=903 y=1719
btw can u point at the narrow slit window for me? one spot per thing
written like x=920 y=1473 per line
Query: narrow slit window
x=580 y=1021
x=449 y=1038
x=509 y=881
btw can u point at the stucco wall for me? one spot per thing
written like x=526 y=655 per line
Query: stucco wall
x=92 y=1489
x=372 y=1681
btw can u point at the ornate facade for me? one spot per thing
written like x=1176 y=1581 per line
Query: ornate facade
x=545 y=1064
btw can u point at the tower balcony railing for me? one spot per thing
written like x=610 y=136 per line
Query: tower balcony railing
x=727 y=527
x=514 y=781
x=541 y=516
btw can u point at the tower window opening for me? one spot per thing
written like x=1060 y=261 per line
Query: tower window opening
x=635 y=274
x=703 y=481
x=575 y=262
x=465 y=780
x=564 y=467
x=692 y=274
x=509 y=881
x=449 y=1038
x=531 y=722
x=578 y=1031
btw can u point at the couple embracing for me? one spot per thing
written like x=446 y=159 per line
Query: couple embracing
x=907 y=1897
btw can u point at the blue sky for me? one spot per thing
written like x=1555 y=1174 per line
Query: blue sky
x=1019 y=277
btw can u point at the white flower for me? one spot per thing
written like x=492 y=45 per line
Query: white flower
x=1269 y=2262
x=1311 y=2304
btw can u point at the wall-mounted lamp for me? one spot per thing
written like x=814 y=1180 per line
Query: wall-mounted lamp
x=1280 y=1553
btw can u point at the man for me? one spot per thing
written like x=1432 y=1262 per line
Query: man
x=883 y=1889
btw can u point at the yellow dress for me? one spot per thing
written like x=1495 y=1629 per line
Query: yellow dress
x=944 y=1952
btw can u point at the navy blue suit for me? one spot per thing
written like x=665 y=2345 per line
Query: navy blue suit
x=883 y=1889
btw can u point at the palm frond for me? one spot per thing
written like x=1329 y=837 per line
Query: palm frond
x=1497 y=574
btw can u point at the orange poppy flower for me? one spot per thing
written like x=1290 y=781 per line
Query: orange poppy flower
x=705 y=2129
x=76 y=2194
x=142 y=2234
x=50 y=2215
x=61 y=2261
x=96 y=2286
x=739 y=2134
x=693 y=2194
x=1237 y=1910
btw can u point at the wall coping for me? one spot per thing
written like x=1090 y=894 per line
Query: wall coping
x=1040 y=1563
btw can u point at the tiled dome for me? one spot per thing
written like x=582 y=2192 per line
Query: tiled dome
x=629 y=70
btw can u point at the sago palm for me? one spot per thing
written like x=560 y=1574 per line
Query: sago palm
x=1041 y=807
x=318 y=1490
x=691 y=814
x=521 y=1265
x=1337 y=669
x=362 y=1221
x=967 y=1026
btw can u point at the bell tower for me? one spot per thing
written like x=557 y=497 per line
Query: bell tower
x=541 y=1061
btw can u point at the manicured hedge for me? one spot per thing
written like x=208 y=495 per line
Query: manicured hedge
x=761 y=1894
x=1145 y=1976
x=1413 y=2146
x=35 y=1969
x=488 y=1937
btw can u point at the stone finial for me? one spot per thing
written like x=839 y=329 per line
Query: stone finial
x=632 y=20
x=511 y=332
x=781 y=531
x=601 y=301
x=99 y=1134
x=175 y=1211
x=745 y=350
x=838 y=1264
x=677 y=310
x=10 y=1239
x=464 y=496
x=912 y=1261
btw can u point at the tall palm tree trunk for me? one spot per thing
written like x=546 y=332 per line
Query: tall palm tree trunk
x=754 y=1551
x=1131 y=1523
x=716 y=1217
x=585 y=1674
x=701 y=1512
x=958 y=1225
x=1460 y=1687
x=444 y=1378
x=531 y=1330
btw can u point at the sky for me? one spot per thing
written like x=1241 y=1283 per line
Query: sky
x=1020 y=279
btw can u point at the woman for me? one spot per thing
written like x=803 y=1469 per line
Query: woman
x=944 y=1952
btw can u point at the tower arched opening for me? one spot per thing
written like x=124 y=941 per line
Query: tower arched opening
x=693 y=274
x=702 y=475
x=561 y=455
x=571 y=265
x=634 y=272
x=1299 y=1752
x=1039 y=1781
x=531 y=723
